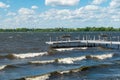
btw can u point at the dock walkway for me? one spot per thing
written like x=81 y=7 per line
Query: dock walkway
x=84 y=41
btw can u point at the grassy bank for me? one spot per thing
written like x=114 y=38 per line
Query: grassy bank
x=61 y=29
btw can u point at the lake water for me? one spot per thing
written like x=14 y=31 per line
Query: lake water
x=25 y=56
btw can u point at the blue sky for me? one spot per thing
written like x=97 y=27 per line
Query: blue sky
x=59 y=13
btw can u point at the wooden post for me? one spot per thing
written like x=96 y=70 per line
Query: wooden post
x=111 y=44
x=118 y=38
x=110 y=38
x=106 y=45
x=86 y=37
x=83 y=38
x=99 y=37
x=56 y=38
x=87 y=44
x=94 y=38
x=50 y=39
x=118 y=46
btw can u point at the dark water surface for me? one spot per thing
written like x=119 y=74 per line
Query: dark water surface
x=25 y=56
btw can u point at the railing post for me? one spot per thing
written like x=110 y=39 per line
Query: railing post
x=118 y=38
x=94 y=38
x=50 y=39
x=118 y=46
x=83 y=38
x=86 y=37
x=111 y=44
x=56 y=38
x=99 y=37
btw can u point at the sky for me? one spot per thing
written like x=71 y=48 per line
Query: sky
x=59 y=13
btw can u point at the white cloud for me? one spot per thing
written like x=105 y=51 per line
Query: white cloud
x=56 y=14
x=98 y=1
x=91 y=7
x=89 y=15
x=61 y=2
x=11 y=14
x=115 y=17
x=88 y=11
x=26 y=11
x=115 y=4
x=3 y=5
x=34 y=7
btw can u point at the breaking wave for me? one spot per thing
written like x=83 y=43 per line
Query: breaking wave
x=2 y=67
x=60 y=61
x=42 y=77
x=68 y=60
x=42 y=62
x=71 y=60
x=101 y=57
x=70 y=49
x=7 y=66
x=22 y=56
x=58 y=74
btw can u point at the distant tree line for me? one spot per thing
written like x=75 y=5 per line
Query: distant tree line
x=61 y=29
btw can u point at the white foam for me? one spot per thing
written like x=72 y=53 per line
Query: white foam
x=42 y=77
x=103 y=56
x=84 y=48
x=29 y=55
x=64 y=49
x=63 y=72
x=2 y=67
x=70 y=49
x=70 y=60
x=41 y=62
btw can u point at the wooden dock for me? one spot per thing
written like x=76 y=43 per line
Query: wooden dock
x=84 y=43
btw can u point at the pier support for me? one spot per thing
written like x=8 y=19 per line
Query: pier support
x=106 y=45
x=118 y=46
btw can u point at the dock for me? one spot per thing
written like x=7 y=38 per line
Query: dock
x=84 y=43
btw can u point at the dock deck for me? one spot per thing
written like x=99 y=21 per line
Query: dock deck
x=84 y=41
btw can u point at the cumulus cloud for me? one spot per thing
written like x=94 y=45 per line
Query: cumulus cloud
x=34 y=7
x=26 y=11
x=61 y=2
x=56 y=14
x=91 y=14
x=3 y=5
x=115 y=17
x=91 y=7
x=115 y=4
x=98 y=1
x=11 y=14
x=89 y=11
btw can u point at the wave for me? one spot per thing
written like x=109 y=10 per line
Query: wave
x=58 y=74
x=101 y=57
x=22 y=56
x=2 y=67
x=60 y=61
x=70 y=60
x=7 y=66
x=42 y=77
x=29 y=55
x=64 y=49
x=41 y=62
x=70 y=49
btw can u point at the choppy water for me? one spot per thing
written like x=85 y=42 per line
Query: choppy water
x=25 y=56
